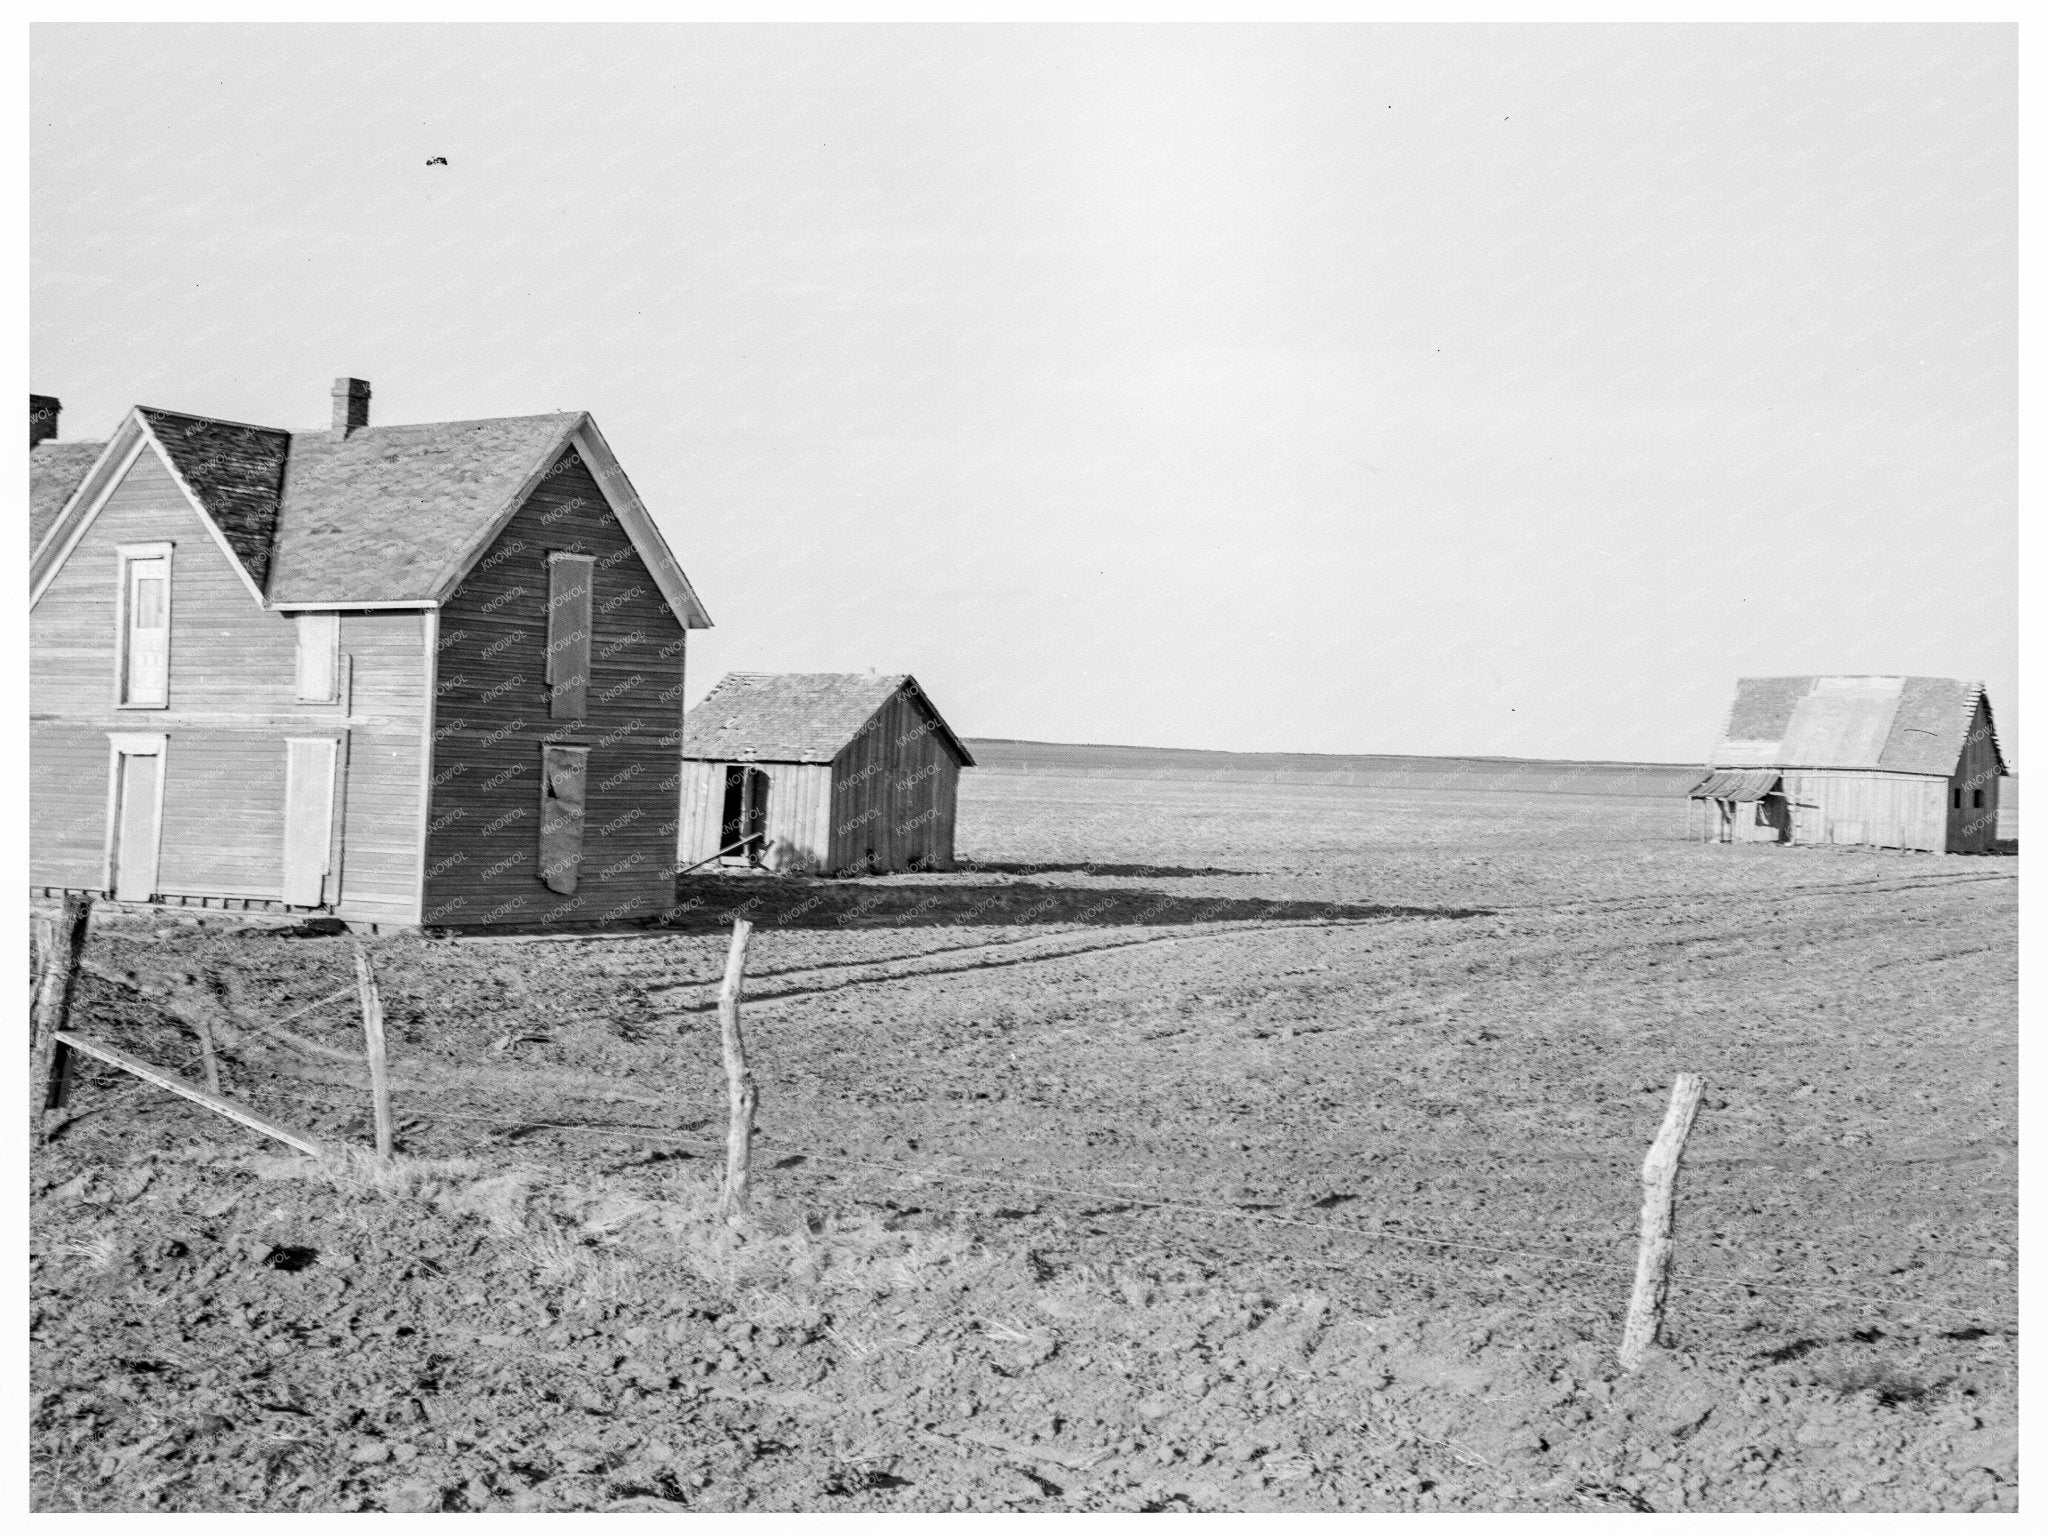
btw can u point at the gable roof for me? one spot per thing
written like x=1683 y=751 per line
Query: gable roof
x=798 y=716
x=385 y=516
x=55 y=471
x=381 y=515
x=1892 y=724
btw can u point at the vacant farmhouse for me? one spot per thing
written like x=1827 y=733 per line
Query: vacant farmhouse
x=421 y=674
x=1903 y=762
x=819 y=771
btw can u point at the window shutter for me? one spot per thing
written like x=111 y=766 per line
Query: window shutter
x=562 y=773
x=319 y=647
x=568 y=673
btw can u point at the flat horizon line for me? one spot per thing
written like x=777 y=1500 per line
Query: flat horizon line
x=1224 y=751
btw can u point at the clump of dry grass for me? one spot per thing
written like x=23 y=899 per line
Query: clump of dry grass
x=354 y=1170
x=604 y=1243
x=101 y=1253
x=501 y=1201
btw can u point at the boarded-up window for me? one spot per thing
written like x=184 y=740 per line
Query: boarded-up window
x=563 y=770
x=146 y=629
x=309 y=778
x=569 y=584
x=319 y=652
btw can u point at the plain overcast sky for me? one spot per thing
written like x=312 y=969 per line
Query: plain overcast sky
x=1369 y=389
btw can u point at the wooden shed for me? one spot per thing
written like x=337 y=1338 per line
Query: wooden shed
x=819 y=772
x=1903 y=762
x=426 y=674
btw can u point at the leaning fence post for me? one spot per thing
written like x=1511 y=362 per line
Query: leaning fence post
x=373 y=1039
x=1653 y=1255
x=64 y=947
x=739 y=1081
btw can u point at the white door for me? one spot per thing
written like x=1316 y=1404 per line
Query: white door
x=308 y=820
x=138 y=801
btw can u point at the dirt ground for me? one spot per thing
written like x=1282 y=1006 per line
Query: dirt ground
x=1202 y=1146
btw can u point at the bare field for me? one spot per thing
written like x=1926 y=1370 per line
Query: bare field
x=1203 y=1145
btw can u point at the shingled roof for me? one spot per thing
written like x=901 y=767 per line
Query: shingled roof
x=1892 y=724
x=235 y=471
x=55 y=470
x=382 y=515
x=797 y=716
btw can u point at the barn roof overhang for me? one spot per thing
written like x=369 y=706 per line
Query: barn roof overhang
x=1739 y=784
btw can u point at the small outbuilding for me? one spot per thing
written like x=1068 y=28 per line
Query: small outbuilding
x=819 y=772
x=1903 y=762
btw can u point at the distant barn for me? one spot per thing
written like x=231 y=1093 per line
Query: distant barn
x=819 y=772
x=1902 y=762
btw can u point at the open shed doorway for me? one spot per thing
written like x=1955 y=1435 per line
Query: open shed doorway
x=1774 y=815
x=743 y=829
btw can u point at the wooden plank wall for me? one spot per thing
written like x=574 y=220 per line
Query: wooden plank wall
x=1875 y=809
x=895 y=792
x=702 y=792
x=799 y=813
x=1761 y=820
x=491 y=702
x=231 y=704
x=1973 y=828
x=384 y=660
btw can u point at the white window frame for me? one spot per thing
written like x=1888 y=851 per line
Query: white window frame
x=133 y=744
x=303 y=624
x=129 y=556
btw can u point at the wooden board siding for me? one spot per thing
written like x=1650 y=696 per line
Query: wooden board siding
x=1972 y=828
x=230 y=704
x=1763 y=820
x=799 y=813
x=492 y=715
x=895 y=789
x=1874 y=809
x=223 y=830
x=697 y=821
x=701 y=787
x=384 y=682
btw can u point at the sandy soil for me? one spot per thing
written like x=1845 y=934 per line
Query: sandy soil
x=1204 y=1146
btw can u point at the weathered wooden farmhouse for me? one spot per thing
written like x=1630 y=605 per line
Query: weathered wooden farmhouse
x=819 y=772
x=1903 y=762
x=427 y=674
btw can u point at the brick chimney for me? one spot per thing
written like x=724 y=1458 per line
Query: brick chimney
x=351 y=405
x=42 y=417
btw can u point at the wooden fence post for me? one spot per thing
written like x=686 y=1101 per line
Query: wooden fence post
x=208 y=1056
x=373 y=1037
x=1653 y=1254
x=64 y=947
x=739 y=1081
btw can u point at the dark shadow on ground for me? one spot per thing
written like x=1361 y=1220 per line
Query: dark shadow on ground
x=705 y=903
x=1101 y=870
